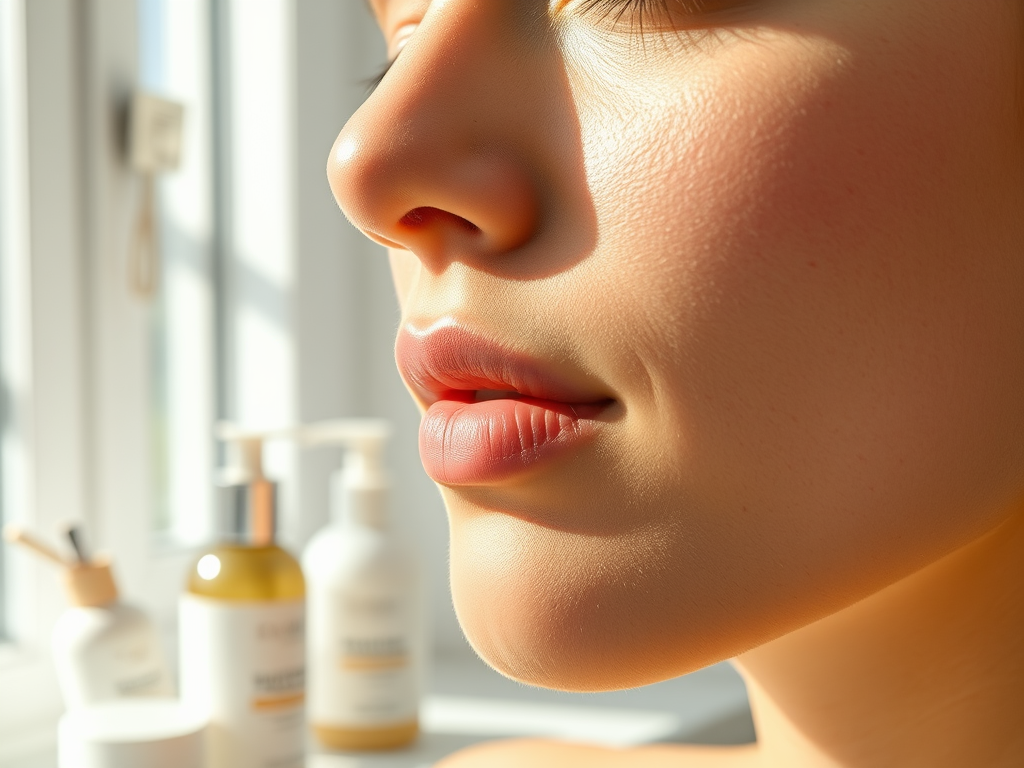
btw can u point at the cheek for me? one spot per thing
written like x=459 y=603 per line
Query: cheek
x=830 y=298
x=818 y=333
x=813 y=292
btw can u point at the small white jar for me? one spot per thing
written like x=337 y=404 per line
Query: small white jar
x=140 y=733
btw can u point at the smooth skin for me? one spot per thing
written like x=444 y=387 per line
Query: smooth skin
x=786 y=238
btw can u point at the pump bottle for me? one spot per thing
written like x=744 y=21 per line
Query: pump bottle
x=103 y=648
x=365 y=640
x=242 y=625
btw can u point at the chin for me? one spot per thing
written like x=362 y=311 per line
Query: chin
x=576 y=612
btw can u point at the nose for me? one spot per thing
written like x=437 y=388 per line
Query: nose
x=441 y=159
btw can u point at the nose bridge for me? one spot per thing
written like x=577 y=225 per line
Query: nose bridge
x=440 y=155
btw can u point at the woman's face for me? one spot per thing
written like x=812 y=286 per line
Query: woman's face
x=715 y=309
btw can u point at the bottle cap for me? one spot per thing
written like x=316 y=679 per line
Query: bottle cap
x=90 y=584
x=247 y=511
x=154 y=733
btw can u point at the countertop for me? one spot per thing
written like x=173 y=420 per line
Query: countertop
x=469 y=703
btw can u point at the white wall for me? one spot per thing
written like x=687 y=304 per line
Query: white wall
x=345 y=311
x=374 y=382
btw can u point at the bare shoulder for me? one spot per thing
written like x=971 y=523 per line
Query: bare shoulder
x=537 y=753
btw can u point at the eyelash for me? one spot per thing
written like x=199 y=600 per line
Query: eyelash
x=371 y=83
x=614 y=10
x=643 y=12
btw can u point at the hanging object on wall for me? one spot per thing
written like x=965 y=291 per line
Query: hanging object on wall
x=154 y=136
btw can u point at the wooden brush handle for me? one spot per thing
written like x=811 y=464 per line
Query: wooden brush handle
x=17 y=535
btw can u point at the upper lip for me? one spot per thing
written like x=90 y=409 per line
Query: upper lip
x=447 y=361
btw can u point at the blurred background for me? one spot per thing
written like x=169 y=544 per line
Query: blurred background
x=267 y=308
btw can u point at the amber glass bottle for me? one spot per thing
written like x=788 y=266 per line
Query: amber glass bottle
x=243 y=655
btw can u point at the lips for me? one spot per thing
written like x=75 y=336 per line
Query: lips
x=492 y=412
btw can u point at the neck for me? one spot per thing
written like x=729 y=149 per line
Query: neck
x=926 y=672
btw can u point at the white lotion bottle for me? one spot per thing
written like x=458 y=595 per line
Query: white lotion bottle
x=366 y=642
x=103 y=648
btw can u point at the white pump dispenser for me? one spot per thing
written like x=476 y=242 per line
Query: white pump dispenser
x=365 y=631
x=359 y=490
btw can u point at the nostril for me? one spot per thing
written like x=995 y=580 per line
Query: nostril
x=427 y=216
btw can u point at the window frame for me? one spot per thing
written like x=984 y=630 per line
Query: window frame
x=43 y=451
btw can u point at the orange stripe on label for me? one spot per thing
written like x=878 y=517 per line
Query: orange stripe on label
x=278 y=702
x=373 y=662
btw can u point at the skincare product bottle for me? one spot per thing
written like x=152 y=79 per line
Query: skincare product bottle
x=242 y=625
x=366 y=641
x=103 y=648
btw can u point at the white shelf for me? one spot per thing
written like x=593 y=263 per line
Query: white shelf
x=469 y=703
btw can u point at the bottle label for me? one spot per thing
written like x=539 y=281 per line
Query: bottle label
x=117 y=655
x=244 y=665
x=365 y=656
x=140 y=669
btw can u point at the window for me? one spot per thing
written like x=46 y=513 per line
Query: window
x=174 y=61
x=271 y=308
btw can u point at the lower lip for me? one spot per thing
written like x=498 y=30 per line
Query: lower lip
x=486 y=442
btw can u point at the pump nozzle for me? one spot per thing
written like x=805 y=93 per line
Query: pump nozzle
x=360 y=488
x=345 y=432
x=255 y=508
x=246 y=448
x=363 y=440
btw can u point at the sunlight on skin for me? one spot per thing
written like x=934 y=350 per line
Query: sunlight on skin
x=781 y=241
